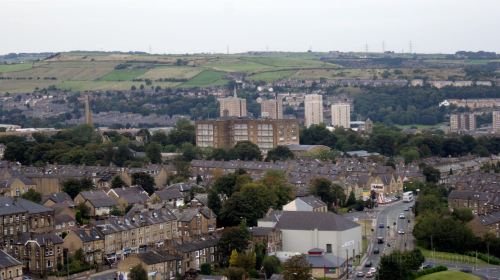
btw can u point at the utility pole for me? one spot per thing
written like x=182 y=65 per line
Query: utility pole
x=383 y=46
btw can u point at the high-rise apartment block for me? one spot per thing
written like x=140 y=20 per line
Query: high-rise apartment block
x=272 y=109
x=496 y=121
x=233 y=106
x=265 y=133
x=313 y=109
x=341 y=115
x=462 y=122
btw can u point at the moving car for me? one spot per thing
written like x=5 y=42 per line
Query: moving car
x=380 y=240
x=376 y=251
x=401 y=231
x=402 y=216
x=368 y=264
x=381 y=226
x=360 y=274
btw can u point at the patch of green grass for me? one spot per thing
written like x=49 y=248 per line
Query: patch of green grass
x=446 y=275
x=6 y=68
x=206 y=78
x=123 y=75
x=451 y=257
x=271 y=76
x=288 y=62
x=237 y=65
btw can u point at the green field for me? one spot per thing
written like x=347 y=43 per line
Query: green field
x=206 y=78
x=449 y=275
x=271 y=76
x=123 y=75
x=170 y=72
x=5 y=68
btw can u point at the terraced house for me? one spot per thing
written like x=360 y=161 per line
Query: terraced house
x=19 y=216
x=136 y=232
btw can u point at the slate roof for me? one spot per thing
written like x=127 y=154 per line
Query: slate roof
x=9 y=205
x=313 y=201
x=59 y=197
x=261 y=231
x=168 y=194
x=131 y=195
x=98 y=198
x=468 y=195
x=490 y=219
x=40 y=238
x=326 y=260
x=88 y=236
x=306 y=220
x=154 y=257
x=7 y=260
x=197 y=245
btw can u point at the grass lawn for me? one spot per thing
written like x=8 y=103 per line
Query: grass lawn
x=206 y=78
x=451 y=257
x=123 y=75
x=446 y=275
x=5 y=68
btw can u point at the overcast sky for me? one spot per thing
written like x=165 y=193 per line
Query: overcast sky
x=190 y=26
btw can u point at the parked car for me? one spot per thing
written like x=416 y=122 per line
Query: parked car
x=401 y=231
x=369 y=274
x=376 y=251
x=381 y=226
x=402 y=216
x=368 y=264
x=466 y=269
x=380 y=240
x=427 y=266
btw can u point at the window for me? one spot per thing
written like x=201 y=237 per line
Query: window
x=329 y=248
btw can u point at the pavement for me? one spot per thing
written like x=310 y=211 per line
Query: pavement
x=109 y=274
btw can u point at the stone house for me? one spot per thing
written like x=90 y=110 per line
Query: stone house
x=10 y=268
x=98 y=201
x=159 y=265
x=90 y=240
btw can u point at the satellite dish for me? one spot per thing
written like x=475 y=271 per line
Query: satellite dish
x=259 y=100
x=270 y=89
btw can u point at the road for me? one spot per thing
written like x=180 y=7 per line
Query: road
x=386 y=227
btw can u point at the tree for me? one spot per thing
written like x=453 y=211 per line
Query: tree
x=351 y=200
x=233 y=259
x=117 y=182
x=297 y=268
x=431 y=174
x=32 y=195
x=321 y=187
x=206 y=269
x=271 y=265
x=279 y=153
x=153 y=152
x=234 y=273
x=281 y=191
x=250 y=203
x=246 y=150
x=145 y=181
x=115 y=211
x=246 y=260
x=463 y=214
x=138 y=273
x=214 y=202
x=233 y=238
x=74 y=186
x=82 y=213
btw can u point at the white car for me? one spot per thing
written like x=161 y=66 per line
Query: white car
x=402 y=216
x=372 y=270
x=27 y=278
x=400 y=231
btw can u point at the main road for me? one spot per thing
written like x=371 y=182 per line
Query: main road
x=386 y=224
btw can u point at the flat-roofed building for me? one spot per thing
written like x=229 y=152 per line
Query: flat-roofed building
x=271 y=108
x=313 y=109
x=233 y=107
x=341 y=115
x=265 y=133
x=462 y=122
